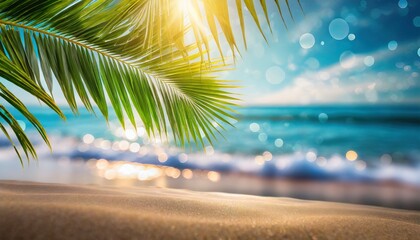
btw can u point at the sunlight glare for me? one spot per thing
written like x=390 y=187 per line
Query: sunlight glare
x=192 y=15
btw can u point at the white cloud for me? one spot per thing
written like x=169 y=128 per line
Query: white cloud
x=348 y=81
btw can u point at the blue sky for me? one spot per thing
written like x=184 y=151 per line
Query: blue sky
x=339 y=52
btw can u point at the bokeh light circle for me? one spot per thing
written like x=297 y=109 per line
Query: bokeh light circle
x=307 y=41
x=416 y=21
x=312 y=63
x=275 y=75
x=347 y=59
x=369 y=61
x=254 y=127
x=323 y=117
x=279 y=142
x=392 y=45
x=402 y=3
x=351 y=37
x=351 y=155
x=339 y=29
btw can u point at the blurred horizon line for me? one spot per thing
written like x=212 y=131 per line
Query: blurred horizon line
x=339 y=104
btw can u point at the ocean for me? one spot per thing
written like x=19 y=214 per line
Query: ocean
x=334 y=142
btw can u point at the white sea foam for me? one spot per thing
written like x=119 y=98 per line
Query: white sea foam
x=294 y=166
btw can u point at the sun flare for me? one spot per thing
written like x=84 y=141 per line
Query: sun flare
x=192 y=14
x=183 y=5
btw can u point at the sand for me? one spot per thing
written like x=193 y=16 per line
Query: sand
x=52 y=211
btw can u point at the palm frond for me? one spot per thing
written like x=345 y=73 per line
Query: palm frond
x=17 y=104
x=157 y=86
x=23 y=140
x=130 y=52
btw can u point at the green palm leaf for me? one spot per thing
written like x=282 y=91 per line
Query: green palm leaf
x=131 y=53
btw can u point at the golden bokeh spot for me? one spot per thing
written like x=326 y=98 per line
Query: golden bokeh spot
x=351 y=155
x=213 y=176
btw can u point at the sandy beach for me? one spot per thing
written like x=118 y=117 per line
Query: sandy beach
x=31 y=210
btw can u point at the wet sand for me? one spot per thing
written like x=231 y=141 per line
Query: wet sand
x=52 y=211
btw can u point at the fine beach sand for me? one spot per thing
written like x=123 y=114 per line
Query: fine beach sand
x=52 y=211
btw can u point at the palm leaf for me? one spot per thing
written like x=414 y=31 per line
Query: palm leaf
x=17 y=104
x=203 y=16
x=129 y=52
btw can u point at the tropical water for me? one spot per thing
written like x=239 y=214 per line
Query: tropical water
x=343 y=143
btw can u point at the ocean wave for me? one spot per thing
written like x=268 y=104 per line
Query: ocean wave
x=298 y=165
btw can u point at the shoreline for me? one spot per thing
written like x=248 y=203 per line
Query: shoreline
x=385 y=194
x=55 y=211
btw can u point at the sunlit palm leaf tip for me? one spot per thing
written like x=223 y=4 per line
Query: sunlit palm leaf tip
x=210 y=20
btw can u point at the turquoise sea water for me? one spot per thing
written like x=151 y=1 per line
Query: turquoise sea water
x=319 y=142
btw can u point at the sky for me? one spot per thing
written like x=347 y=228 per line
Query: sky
x=337 y=52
